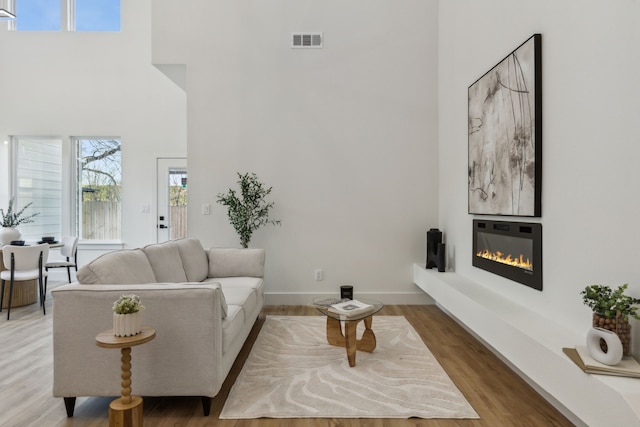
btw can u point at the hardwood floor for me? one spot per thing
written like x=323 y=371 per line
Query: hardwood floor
x=497 y=394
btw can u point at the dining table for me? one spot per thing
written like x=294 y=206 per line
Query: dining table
x=24 y=292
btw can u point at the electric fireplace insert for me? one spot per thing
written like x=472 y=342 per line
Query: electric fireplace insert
x=509 y=249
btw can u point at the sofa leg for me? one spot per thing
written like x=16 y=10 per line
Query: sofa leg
x=70 y=405
x=206 y=405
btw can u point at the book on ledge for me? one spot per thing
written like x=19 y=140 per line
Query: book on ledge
x=350 y=308
x=628 y=366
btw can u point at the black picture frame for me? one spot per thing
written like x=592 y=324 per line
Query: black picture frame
x=505 y=135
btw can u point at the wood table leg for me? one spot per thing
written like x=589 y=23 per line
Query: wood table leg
x=126 y=374
x=334 y=332
x=126 y=414
x=24 y=293
x=351 y=341
x=127 y=410
x=368 y=341
x=348 y=339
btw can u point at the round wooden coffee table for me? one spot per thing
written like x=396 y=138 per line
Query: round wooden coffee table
x=125 y=410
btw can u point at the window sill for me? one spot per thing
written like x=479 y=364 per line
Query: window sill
x=100 y=244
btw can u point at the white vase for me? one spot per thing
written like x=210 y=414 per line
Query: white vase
x=9 y=234
x=126 y=325
x=613 y=355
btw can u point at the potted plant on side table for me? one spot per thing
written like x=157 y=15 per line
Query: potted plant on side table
x=11 y=220
x=611 y=310
x=248 y=210
x=127 y=316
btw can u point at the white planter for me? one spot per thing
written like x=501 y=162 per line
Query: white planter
x=126 y=325
x=8 y=234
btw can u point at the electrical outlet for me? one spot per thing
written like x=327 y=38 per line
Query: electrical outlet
x=319 y=275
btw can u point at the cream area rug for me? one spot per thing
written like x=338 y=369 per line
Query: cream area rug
x=292 y=372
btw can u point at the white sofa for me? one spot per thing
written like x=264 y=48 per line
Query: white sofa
x=203 y=304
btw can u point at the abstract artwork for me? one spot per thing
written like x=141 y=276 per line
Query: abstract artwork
x=505 y=135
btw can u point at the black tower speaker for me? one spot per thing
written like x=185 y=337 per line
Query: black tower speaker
x=441 y=255
x=434 y=238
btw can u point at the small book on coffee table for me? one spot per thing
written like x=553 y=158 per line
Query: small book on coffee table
x=350 y=308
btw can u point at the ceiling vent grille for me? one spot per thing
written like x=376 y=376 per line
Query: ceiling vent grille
x=307 y=40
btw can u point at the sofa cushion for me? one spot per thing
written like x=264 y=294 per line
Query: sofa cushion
x=122 y=267
x=230 y=262
x=241 y=297
x=239 y=282
x=166 y=262
x=231 y=326
x=194 y=259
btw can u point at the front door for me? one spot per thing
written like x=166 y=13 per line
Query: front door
x=172 y=199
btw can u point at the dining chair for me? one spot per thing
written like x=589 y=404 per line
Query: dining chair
x=23 y=263
x=68 y=250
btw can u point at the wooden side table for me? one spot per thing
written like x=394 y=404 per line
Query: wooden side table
x=125 y=410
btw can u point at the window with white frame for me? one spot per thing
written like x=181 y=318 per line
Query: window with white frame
x=95 y=15
x=72 y=15
x=38 y=15
x=99 y=179
x=38 y=180
x=73 y=183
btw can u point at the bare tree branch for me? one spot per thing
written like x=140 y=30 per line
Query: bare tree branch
x=99 y=155
x=103 y=173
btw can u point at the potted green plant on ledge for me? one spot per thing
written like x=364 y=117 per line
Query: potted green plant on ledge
x=12 y=219
x=249 y=209
x=611 y=310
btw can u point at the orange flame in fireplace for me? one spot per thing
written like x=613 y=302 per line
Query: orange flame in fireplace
x=498 y=256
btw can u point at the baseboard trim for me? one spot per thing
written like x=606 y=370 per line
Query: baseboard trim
x=305 y=298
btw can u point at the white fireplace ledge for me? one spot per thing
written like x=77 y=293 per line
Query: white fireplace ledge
x=532 y=344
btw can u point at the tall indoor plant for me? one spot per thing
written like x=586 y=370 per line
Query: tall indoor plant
x=11 y=219
x=612 y=310
x=249 y=209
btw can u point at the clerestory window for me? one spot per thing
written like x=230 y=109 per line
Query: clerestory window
x=71 y=15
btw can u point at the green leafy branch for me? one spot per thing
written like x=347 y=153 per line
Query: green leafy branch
x=604 y=300
x=13 y=219
x=248 y=210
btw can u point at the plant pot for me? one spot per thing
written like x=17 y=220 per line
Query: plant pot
x=619 y=325
x=8 y=234
x=126 y=325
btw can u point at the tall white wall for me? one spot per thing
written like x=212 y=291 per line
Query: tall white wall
x=591 y=147
x=96 y=84
x=346 y=135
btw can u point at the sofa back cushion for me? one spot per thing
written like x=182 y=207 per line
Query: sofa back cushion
x=123 y=267
x=231 y=262
x=166 y=262
x=194 y=259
